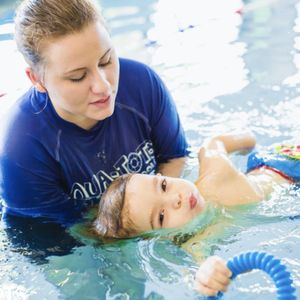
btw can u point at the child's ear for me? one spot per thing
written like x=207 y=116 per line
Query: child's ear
x=33 y=77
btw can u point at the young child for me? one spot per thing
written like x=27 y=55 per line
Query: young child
x=136 y=203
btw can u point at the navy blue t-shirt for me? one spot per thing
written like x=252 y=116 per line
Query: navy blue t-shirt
x=53 y=168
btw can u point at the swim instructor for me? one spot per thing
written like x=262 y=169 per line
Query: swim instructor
x=88 y=118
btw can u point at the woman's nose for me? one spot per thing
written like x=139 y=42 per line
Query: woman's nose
x=100 y=84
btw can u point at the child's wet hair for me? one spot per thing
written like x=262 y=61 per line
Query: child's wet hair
x=112 y=217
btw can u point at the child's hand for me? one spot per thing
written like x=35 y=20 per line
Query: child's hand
x=212 y=276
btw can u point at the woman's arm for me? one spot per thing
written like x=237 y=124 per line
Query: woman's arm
x=173 y=168
x=167 y=134
x=32 y=182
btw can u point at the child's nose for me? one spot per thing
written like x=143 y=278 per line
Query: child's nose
x=176 y=201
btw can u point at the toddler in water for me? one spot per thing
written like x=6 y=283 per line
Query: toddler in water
x=136 y=203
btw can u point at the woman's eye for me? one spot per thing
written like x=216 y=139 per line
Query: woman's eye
x=161 y=217
x=104 y=64
x=78 y=79
x=164 y=185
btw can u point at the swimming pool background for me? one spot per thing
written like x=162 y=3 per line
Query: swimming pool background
x=226 y=71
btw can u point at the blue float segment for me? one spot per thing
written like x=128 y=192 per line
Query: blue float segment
x=272 y=266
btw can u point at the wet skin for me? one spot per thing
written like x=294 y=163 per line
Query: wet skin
x=80 y=74
x=155 y=202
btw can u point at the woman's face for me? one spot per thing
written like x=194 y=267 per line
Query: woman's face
x=154 y=202
x=81 y=75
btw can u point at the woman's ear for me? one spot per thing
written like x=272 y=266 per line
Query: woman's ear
x=35 y=80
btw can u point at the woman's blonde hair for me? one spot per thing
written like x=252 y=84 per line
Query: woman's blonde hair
x=38 y=21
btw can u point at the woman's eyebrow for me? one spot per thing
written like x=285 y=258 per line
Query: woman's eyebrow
x=83 y=68
x=75 y=70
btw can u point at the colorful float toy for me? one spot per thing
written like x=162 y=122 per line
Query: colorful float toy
x=260 y=260
x=291 y=151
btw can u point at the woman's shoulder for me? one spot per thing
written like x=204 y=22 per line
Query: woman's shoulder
x=139 y=80
x=129 y=64
x=139 y=87
x=136 y=71
x=25 y=119
x=29 y=104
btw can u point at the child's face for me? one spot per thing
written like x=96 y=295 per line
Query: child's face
x=155 y=202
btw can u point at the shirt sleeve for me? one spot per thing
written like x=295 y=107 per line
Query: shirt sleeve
x=168 y=135
x=32 y=184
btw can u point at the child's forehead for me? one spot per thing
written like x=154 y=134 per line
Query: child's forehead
x=140 y=186
x=138 y=180
x=140 y=199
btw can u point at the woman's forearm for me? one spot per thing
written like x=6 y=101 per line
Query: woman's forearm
x=173 y=167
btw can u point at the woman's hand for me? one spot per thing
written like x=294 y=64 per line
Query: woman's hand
x=212 y=276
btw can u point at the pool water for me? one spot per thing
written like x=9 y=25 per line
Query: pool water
x=230 y=65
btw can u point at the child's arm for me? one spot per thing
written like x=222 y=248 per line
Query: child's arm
x=212 y=276
x=219 y=180
x=222 y=145
x=231 y=142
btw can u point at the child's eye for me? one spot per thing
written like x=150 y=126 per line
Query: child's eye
x=164 y=185
x=161 y=217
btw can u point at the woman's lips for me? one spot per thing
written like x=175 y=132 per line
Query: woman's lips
x=193 y=201
x=101 y=102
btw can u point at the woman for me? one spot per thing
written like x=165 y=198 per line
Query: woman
x=89 y=117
